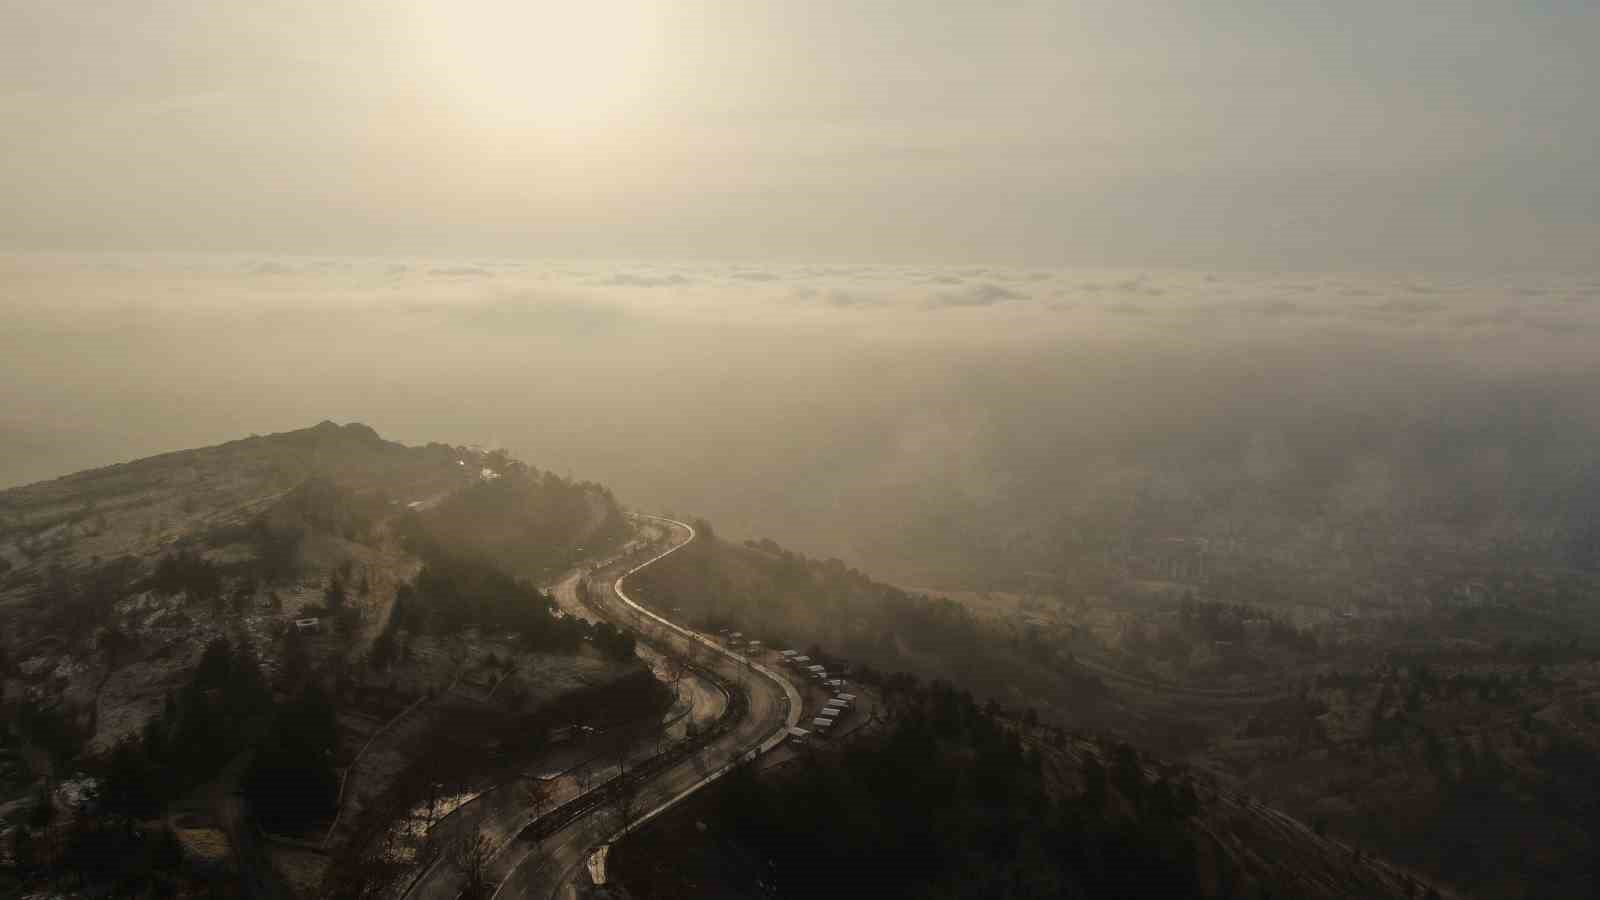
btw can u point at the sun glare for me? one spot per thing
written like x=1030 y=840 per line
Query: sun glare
x=536 y=66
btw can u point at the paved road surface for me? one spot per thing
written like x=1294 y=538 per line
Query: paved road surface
x=503 y=813
x=705 y=700
x=553 y=867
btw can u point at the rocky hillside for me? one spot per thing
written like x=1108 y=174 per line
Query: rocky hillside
x=275 y=508
x=167 y=619
x=138 y=508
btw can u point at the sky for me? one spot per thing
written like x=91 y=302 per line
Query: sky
x=1272 y=136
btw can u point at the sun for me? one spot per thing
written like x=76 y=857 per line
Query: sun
x=537 y=66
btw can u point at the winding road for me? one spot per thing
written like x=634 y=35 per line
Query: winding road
x=551 y=867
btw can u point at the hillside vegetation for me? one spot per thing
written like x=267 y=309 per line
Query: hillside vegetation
x=1458 y=738
x=954 y=800
x=247 y=618
x=788 y=599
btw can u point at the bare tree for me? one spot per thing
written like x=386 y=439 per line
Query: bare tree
x=695 y=651
x=626 y=801
x=537 y=792
x=470 y=854
x=618 y=742
x=676 y=667
x=435 y=796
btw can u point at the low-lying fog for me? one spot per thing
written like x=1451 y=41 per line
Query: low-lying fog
x=901 y=418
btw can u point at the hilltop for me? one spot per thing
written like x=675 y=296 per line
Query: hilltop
x=140 y=507
x=320 y=608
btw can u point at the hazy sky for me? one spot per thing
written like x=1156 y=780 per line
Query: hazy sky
x=1274 y=134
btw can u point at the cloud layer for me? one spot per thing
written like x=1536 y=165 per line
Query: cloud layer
x=812 y=403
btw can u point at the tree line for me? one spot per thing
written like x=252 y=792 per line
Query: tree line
x=949 y=802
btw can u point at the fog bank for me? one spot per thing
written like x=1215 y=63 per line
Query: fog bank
x=903 y=418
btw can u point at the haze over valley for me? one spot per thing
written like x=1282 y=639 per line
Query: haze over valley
x=932 y=424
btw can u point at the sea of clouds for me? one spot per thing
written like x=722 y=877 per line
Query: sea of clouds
x=795 y=400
